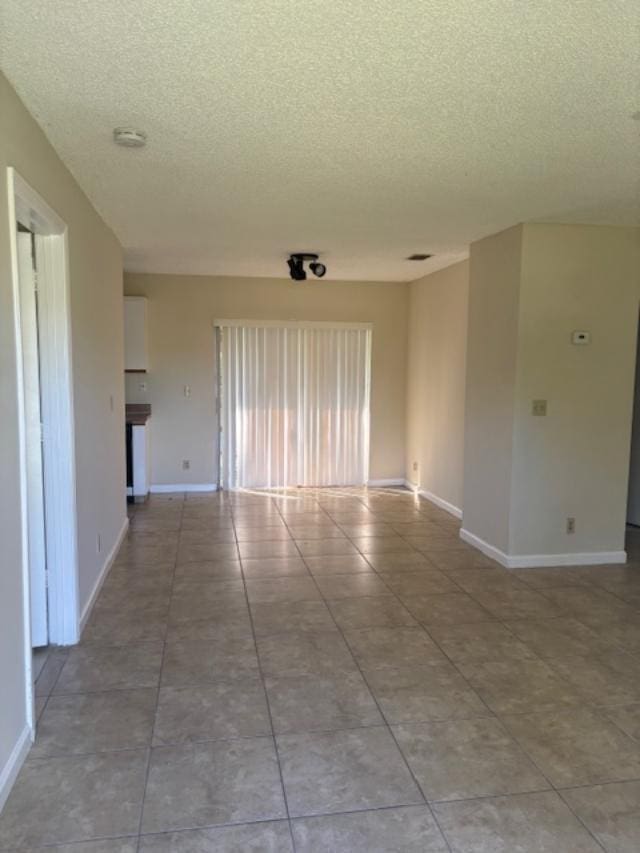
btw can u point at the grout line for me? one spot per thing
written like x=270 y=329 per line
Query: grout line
x=155 y=714
x=266 y=697
x=386 y=724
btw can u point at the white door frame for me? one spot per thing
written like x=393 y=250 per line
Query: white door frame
x=51 y=238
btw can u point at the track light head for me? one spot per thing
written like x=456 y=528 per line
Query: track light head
x=296 y=265
x=296 y=268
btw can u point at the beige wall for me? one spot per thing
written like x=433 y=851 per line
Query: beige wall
x=494 y=277
x=181 y=350
x=436 y=382
x=530 y=287
x=574 y=462
x=96 y=317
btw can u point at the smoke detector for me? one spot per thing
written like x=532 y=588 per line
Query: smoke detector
x=129 y=138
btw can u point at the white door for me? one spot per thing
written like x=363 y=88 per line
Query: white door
x=33 y=436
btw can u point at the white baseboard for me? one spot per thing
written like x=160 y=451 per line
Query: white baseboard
x=167 y=488
x=530 y=561
x=381 y=483
x=10 y=771
x=440 y=502
x=104 y=571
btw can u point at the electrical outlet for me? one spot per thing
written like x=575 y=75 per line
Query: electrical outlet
x=571 y=525
x=186 y=464
x=142 y=387
x=415 y=466
x=539 y=408
x=187 y=390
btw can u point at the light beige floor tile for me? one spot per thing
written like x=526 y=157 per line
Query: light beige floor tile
x=115 y=627
x=576 y=746
x=231 y=624
x=611 y=812
x=218 y=782
x=461 y=559
x=116 y=845
x=274 y=567
x=196 y=553
x=209 y=570
x=518 y=686
x=271 y=533
x=334 y=587
x=190 y=662
x=421 y=693
x=517 y=604
x=207 y=537
x=528 y=823
x=325 y=547
x=344 y=771
x=97 y=668
x=410 y=829
x=224 y=709
x=626 y=717
x=404 y=561
x=275 y=590
x=610 y=679
x=207 y=599
x=380 y=611
x=304 y=653
x=282 y=616
x=345 y=564
x=258 y=550
x=57 y=800
x=559 y=637
x=459 y=759
x=428 y=582
x=453 y=608
x=320 y=702
x=396 y=647
x=382 y=545
x=265 y=837
x=95 y=722
x=480 y=641
x=51 y=670
x=591 y=605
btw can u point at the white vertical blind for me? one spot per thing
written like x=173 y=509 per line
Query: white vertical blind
x=295 y=405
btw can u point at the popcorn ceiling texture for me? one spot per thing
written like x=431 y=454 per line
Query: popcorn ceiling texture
x=362 y=130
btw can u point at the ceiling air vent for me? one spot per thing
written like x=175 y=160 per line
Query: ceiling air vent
x=419 y=257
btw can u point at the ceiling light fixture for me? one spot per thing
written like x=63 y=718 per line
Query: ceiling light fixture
x=129 y=138
x=296 y=264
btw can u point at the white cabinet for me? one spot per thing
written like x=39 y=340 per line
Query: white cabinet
x=135 y=334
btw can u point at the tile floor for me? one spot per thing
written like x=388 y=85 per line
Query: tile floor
x=334 y=670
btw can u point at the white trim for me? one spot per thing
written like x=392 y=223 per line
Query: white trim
x=102 y=576
x=290 y=324
x=166 y=488
x=399 y=481
x=452 y=509
x=530 y=561
x=9 y=772
x=26 y=206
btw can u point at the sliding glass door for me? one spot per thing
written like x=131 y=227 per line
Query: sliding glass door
x=294 y=404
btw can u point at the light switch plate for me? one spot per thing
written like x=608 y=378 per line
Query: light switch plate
x=539 y=408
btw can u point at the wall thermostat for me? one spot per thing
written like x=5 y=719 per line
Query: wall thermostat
x=581 y=338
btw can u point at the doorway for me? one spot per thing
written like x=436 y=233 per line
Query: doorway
x=34 y=430
x=42 y=329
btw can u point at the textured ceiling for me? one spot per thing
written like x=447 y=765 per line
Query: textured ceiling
x=361 y=129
